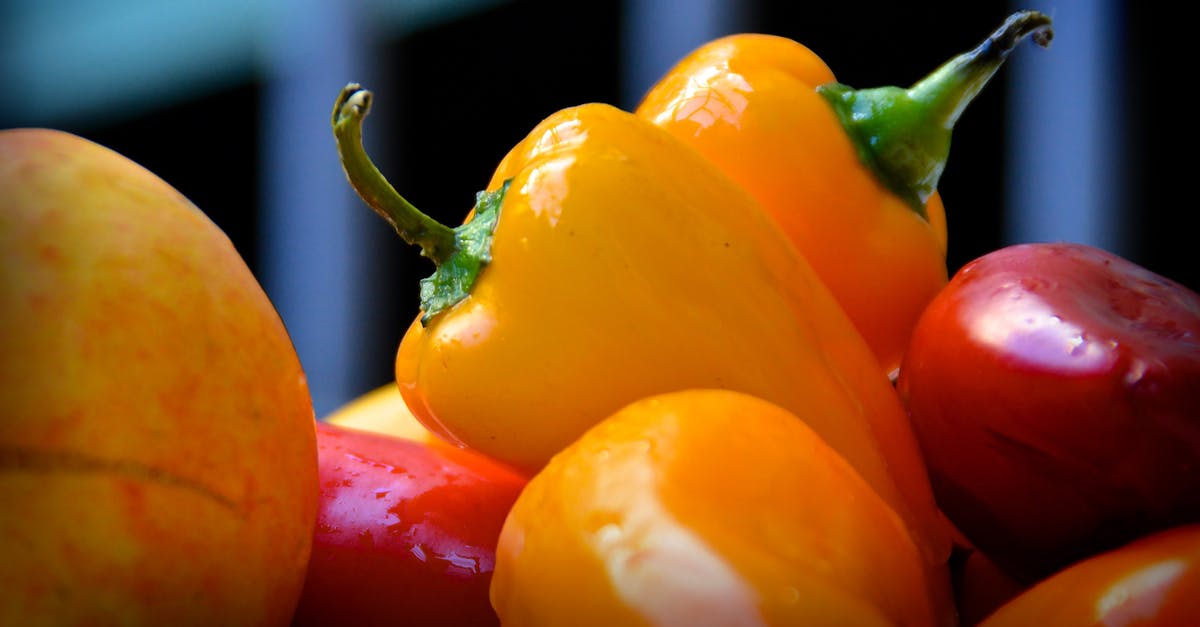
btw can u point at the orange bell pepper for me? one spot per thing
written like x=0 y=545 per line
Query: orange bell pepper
x=709 y=507
x=618 y=264
x=1153 y=582
x=854 y=184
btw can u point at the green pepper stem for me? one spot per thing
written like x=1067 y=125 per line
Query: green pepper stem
x=460 y=253
x=437 y=241
x=949 y=89
x=903 y=135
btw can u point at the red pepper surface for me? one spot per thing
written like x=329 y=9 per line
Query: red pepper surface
x=849 y=175
x=1055 y=391
x=406 y=532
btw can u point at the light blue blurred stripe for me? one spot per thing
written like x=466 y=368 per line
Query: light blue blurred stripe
x=311 y=246
x=68 y=60
x=1064 y=165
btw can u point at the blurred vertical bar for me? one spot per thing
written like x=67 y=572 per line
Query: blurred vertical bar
x=1065 y=178
x=657 y=33
x=312 y=234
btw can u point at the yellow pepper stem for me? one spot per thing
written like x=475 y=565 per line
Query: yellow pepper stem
x=460 y=253
x=435 y=239
x=903 y=135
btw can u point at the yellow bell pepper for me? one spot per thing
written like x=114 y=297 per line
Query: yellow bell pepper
x=607 y=262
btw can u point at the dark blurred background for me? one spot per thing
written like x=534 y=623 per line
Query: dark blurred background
x=229 y=101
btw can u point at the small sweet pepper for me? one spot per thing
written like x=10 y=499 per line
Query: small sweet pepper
x=406 y=532
x=607 y=262
x=1153 y=581
x=709 y=507
x=850 y=175
x=1055 y=391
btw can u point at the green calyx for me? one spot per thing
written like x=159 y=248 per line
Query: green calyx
x=452 y=280
x=460 y=253
x=903 y=135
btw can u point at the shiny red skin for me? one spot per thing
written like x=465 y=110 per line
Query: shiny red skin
x=1055 y=392
x=406 y=532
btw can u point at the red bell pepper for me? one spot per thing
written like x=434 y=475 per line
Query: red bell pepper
x=1055 y=392
x=406 y=532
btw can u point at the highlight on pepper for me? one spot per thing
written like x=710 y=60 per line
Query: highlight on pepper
x=850 y=175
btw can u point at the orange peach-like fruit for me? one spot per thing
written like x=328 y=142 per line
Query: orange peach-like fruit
x=157 y=441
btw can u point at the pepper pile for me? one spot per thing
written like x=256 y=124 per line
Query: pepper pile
x=682 y=325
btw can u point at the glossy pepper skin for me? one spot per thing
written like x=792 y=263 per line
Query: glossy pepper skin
x=1055 y=390
x=708 y=507
x=751 y=104
x=406 y=532
x=623 y=264
x=1152 y=582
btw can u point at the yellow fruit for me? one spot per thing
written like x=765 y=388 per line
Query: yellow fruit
x=382 y=410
